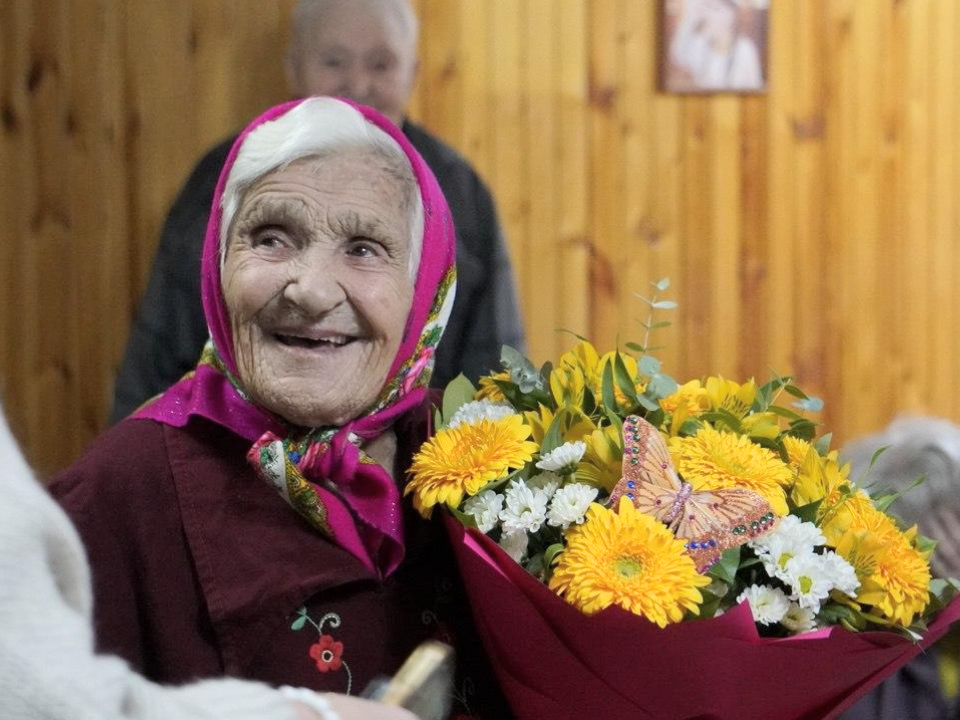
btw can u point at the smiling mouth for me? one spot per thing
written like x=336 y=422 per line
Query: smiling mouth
x=298 y=341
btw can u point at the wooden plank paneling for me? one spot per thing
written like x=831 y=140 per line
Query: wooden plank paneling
x=812 y=229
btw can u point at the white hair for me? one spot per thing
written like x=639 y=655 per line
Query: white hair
x=316 y=127
x=916 y=447
x=307 y=12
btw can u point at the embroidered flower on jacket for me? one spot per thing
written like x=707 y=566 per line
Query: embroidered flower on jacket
x=327 y=652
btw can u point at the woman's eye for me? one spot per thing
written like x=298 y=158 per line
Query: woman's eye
x=268 y=241
x=364 y=248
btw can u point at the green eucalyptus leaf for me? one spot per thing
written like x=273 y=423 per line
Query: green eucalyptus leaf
x=649 y=365
x=823 y=444
x=458 y=393
x=649 y=403
x=810 y=404
x=664 y=305
x=636 y=347
x=662 y=386
x=662 y=284
x=522 y=371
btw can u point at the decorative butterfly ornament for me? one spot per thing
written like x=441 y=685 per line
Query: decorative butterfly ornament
x=710 y=521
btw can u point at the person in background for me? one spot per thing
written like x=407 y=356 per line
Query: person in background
x=928 y=448
x=363 y=50
x=48 y=668
x=249 y=521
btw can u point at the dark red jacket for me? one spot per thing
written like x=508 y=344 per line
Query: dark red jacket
x=201 y=570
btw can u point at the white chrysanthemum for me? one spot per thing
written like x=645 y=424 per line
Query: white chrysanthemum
x=473 y=412
x=546 y=481
x=515 y=544
x=791 y=538
x=768 y=604
x=563 y=459
x=525 y=508
x=569 y=505
x=799 y=620
x=791 y=531
x=841 y=573
x=485 y=509
x=809 y=579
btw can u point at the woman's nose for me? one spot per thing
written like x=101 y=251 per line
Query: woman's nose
x=356 y=84
x=314 y=289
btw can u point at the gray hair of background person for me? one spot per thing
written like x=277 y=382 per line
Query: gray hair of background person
x=916 y=447
x=308 y=12
x=316 y=129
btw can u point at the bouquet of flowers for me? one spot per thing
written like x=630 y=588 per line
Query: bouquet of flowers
x=597 y=508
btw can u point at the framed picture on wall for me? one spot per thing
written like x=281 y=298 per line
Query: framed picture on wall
x=710 y=46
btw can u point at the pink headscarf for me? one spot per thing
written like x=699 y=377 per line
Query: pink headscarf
x=362 y=514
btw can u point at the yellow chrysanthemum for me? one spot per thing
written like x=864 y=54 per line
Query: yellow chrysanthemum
x=459 y=461
x=894 y=575
x=489 y=390
x=601 y=464
x=627 y=558
x=712 y=460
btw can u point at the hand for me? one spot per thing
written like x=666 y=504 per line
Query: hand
x=351 y=708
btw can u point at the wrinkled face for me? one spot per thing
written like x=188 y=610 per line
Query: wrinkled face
x=357 y=52
x=317 y=285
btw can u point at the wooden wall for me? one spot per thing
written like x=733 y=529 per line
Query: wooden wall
x=811 y=230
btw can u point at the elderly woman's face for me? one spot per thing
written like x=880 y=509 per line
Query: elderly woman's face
x=317 y=284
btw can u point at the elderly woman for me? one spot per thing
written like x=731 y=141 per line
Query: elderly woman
x=248 y=521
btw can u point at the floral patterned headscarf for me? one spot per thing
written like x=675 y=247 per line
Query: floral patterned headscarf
x=322 y=472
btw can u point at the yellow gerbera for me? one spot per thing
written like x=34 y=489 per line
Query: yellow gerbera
x=627 y=558
x=712 y=460
x=461 y=460
x=489 y=390
x=894 y=575
x=601 y=464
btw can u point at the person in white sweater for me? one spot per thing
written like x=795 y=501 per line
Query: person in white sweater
x=48 y=668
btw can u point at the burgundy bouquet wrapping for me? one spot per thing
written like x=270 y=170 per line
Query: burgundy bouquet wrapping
x=555 y=662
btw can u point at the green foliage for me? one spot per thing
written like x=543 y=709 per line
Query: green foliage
x=725 y=569
x=458 y=393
